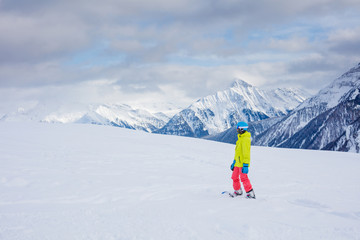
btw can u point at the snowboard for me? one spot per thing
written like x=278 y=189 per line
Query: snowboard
x=232 y=195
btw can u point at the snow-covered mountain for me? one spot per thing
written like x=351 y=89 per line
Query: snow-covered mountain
x=242 y=101
x=124 y=116
x=255 y=128
x=209 y=115
x=328 y=120
x=119 y=115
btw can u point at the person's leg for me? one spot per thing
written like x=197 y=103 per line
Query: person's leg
x=235 y=178
x=245 y=181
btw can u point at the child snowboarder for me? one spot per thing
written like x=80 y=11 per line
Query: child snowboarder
x=240 y=166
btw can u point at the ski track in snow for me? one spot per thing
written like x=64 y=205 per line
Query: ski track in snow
x=98 y=182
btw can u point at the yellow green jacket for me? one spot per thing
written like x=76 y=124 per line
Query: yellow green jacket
x=242 y=149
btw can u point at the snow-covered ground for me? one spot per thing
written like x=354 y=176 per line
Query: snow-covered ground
x=98 y=182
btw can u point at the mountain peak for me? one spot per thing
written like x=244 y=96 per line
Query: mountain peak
x=352 y=70
x=356 y=68
x=239 y=83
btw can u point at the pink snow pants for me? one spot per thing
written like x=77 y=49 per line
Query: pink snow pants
x=244 y=179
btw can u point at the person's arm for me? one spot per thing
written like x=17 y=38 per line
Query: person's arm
x=246 y=144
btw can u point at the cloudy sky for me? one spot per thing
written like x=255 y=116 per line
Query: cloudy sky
x=169 y=51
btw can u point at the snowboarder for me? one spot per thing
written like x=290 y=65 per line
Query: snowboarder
x=241 y=164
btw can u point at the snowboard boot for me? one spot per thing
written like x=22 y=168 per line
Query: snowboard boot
x=250 y=194
x=238 y=192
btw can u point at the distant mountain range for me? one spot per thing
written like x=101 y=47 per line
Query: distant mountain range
x=282 y=117
x=209 y=115
x=241 y=102
x=330 y=120
x=118 y=115
x=124 y=116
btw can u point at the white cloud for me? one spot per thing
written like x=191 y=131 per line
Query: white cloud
x=146 y=49
x=294 y=44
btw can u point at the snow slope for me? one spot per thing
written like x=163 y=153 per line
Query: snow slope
x=74 y=181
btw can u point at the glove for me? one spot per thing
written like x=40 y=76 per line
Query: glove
x=245 y=168
x=232 y=166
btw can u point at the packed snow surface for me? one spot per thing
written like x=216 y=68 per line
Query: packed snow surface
x=96 y=182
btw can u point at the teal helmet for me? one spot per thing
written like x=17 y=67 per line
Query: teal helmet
x=242 y=125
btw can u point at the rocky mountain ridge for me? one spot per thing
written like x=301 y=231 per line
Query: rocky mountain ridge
x=241 y=102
